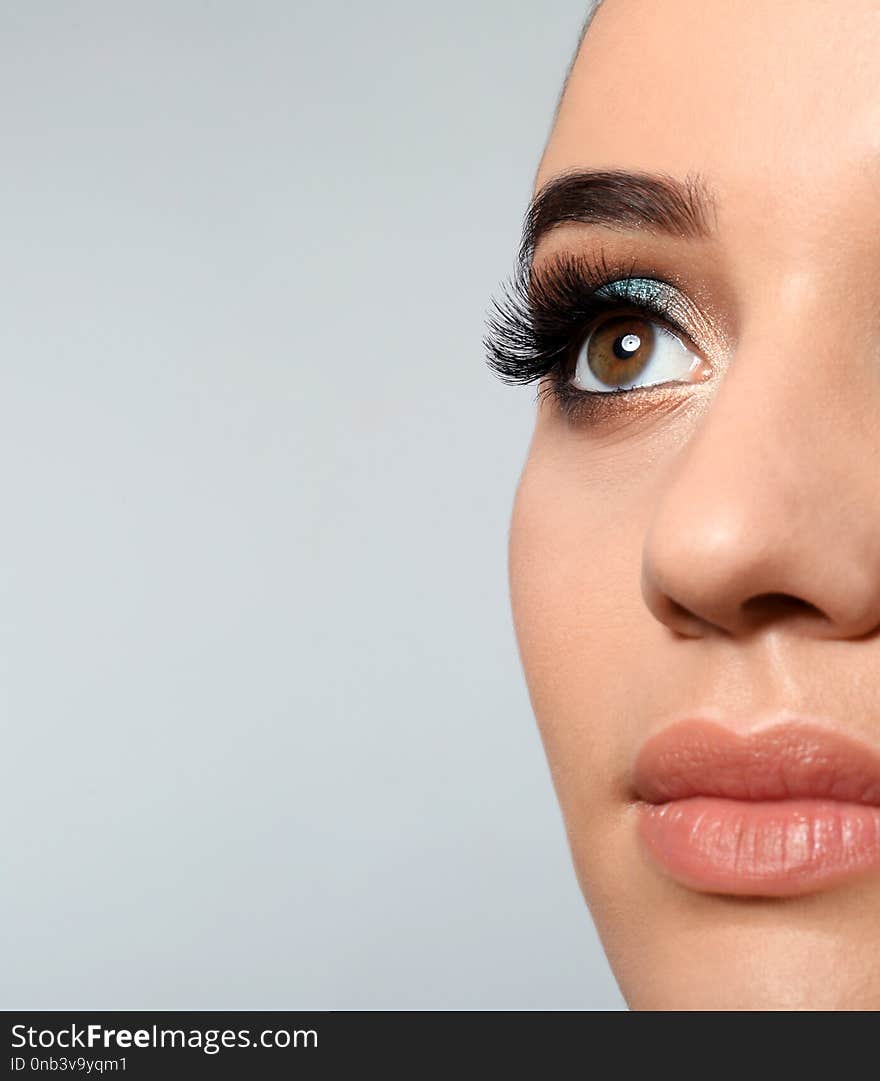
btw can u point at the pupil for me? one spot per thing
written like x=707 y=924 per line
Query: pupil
x=625 y=346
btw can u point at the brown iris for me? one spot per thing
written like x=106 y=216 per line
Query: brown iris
x=620 y=348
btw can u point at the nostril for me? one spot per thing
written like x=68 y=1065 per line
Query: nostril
x=681 y=619
x=764 y=607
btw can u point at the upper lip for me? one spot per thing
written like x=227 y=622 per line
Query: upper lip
x=791 y=760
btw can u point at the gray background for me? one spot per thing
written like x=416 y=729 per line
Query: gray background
x=266 y=742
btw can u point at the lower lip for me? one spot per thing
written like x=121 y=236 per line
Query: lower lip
x=771 y=848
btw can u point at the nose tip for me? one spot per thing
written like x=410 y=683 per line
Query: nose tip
x=705 y=571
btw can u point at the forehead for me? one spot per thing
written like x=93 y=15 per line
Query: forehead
x=774 y=102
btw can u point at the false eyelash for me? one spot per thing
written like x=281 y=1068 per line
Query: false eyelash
x=533 y=326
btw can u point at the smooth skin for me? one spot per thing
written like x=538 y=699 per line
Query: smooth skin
x=719 y=556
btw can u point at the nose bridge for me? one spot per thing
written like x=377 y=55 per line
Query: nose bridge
x=773 y=505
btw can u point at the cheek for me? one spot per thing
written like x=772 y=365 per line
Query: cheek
x=587 y=643
x=583 y=630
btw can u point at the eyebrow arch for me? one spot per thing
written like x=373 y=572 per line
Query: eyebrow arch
x=621 y=199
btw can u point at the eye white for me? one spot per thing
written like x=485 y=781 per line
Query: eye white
x=670 y=361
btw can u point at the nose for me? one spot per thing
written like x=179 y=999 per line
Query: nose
x=771 y=511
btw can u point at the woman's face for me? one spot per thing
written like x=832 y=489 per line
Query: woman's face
x=695 y=557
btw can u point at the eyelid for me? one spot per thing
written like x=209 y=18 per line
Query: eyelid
x=653 y=296
x=582 y=408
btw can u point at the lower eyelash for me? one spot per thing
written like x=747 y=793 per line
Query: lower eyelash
x=583 y=405
x=543 y=312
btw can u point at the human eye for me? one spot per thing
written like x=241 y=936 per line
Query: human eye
x=589 y=330
x=629 y=350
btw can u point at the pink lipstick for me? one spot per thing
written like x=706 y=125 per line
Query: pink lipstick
x=784 y=811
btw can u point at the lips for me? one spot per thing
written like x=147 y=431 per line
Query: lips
x=785 y=811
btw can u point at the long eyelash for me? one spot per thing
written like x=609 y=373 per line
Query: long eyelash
x=541 y=313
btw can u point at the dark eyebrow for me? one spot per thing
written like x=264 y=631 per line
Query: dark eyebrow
x=623 y=200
